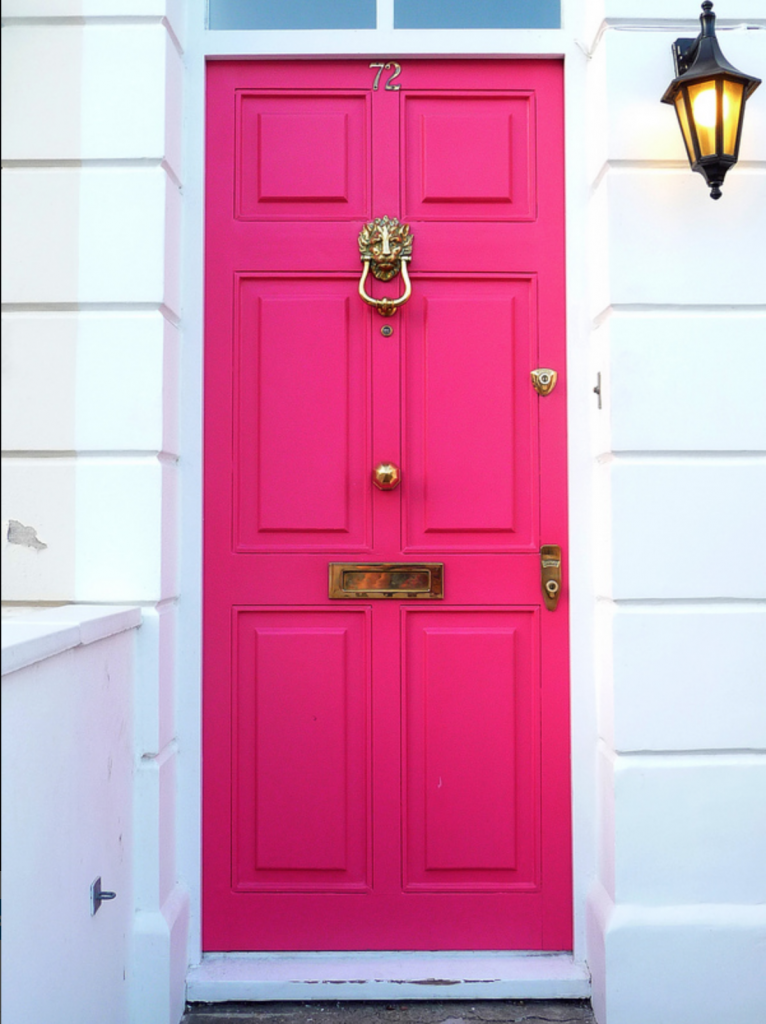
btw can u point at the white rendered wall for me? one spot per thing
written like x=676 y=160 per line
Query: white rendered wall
x=678 y=305
x=92 y=133
x=92 y=144
x=67 y=771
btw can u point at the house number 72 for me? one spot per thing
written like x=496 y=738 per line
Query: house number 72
x=384 y=67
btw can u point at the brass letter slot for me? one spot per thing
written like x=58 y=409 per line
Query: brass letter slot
x=387 y=579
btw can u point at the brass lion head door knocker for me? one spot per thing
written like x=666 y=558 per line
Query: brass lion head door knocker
x=385 y=247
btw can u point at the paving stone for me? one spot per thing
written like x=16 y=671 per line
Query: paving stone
x=453 y=1012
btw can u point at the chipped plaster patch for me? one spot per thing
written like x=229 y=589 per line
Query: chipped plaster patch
x=26 y=536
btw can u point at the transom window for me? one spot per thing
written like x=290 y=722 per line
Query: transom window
x=408 y=14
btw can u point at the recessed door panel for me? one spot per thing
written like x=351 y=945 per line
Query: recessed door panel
x=469 y=157
x=469 y=431
x=302 y=423
x=471 y=750
x=302 y=744
x=279 y=139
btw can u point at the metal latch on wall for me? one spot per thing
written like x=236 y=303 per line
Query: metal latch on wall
x=98 y=895
x=550 y=574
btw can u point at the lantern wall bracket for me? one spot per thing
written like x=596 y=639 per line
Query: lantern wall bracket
x=684 y=52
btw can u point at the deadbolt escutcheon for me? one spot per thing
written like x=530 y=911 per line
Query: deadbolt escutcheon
x=550 y=575
x=544 y=380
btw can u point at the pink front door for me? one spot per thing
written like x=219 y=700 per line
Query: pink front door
x=384 y=774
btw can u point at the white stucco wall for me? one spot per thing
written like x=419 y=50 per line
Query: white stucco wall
x=667 y=480
x=678 y=305
x=92 y=206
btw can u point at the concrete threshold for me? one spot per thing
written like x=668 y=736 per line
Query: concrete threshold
x=258 y=977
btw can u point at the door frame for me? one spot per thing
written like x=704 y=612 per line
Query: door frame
x=200 y=46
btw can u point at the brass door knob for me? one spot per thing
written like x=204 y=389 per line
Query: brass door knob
x=386 y=476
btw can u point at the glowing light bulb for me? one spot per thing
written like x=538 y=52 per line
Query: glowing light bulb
x=704 y=107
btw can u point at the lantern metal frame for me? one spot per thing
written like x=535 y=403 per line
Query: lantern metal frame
x=698 y=62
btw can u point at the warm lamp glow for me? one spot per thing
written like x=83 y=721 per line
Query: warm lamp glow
x=704 y=108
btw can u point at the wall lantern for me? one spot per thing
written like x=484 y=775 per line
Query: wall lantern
x=709 y=96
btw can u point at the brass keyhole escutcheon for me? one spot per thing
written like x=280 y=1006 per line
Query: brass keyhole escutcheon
x=544 y=380
x=386 y=476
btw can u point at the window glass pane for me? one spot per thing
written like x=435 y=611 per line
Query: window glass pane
x=477 y=13
x=685 y=126
x=732 y=102
x=276 y=14
x=703 y=101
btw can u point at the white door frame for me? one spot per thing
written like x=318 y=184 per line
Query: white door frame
x=567 y=43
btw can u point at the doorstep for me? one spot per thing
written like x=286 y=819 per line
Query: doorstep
x=258 y=977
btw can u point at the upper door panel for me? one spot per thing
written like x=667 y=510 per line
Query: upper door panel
x=302 y=156
x=469 y=156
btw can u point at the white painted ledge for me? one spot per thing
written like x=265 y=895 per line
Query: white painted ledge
x=223 y=977
x=34 y=634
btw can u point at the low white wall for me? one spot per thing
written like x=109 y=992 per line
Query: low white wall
x=67 y=793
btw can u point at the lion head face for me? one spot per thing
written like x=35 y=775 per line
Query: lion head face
x=385 y=242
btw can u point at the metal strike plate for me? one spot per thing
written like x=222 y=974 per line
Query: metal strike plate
x=406 y=580
x=544 y=380
x=550 y=574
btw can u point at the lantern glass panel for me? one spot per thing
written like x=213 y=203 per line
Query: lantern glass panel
x=683 y=119
x=732 y=108
x=704 y=103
